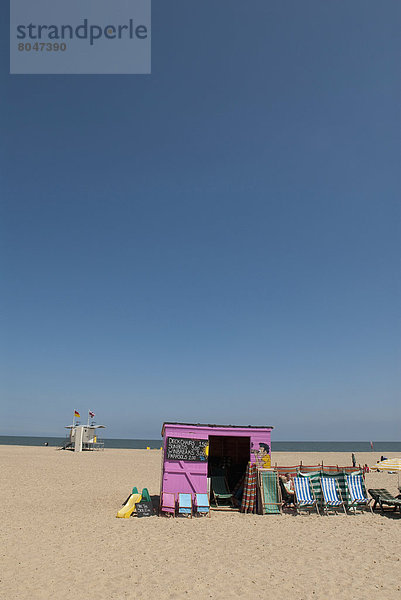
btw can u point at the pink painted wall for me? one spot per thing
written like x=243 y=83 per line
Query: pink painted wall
x=189 y=477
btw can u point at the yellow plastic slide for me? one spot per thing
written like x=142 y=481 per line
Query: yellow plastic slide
x=126 y=511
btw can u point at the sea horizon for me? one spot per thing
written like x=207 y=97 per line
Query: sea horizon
x=277 y=446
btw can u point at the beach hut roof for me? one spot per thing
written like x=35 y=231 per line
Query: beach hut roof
x=214 y=425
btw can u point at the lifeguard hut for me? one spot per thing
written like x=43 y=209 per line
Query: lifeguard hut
x=83 y=437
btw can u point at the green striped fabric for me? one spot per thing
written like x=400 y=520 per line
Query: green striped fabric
x=342 y=484
x=270 y=499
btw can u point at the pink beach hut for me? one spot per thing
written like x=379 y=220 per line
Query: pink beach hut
x=194 y=453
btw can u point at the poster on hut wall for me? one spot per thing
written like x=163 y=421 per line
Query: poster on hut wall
x=261 y=456
x=187 y=449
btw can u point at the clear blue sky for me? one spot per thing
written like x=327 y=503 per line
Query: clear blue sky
x=216 y=242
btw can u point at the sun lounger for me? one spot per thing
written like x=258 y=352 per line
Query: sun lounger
x=202 y=504
x=220 y=490
x=185 y=504
x=304 y=496
x=167 y=503
x=331 y=495
x=269 y=491
x=357 y=492
x=382 y=497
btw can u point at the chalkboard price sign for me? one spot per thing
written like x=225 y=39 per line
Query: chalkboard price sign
x=186 y=449
x=144 y=509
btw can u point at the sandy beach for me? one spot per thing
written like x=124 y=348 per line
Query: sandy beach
x=60 y=537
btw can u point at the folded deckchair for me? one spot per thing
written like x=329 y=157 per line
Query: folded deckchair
x=382 y=497
x=304 y=495
x=357 y=492
x=269 y=491
x=220 y=489
x=202 y=504
x=331 y=495
x=249 y=492
x=167 y=504
x=185 y=504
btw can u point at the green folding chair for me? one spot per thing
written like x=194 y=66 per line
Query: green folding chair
x=220 y=490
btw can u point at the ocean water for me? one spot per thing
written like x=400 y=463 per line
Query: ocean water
x=276 y=446
x=335 y=446
x=60 y=441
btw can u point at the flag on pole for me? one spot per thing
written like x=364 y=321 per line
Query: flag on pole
x=91 y=414
x=76 y=414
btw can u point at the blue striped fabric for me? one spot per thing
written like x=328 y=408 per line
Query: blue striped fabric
x=202 y=502
x=354 y=483
x=184 y=503
x=329 y=490
x=302 y=491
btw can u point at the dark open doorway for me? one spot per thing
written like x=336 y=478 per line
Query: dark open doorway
x=229 y=456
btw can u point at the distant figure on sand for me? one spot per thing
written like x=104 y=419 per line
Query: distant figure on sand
x=353 y=460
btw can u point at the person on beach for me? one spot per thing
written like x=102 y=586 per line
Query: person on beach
x=353 y=460
x=289 y=484
x=289 y=488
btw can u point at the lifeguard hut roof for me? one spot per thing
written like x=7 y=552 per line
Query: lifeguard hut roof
x=88 y=426
x=214 y=425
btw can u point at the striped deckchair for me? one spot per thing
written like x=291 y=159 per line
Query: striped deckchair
x=357 y=492
x=304 y=496
x=185 y=504
x=340 y=477
x=331 y=494
x=248 y=504
x=269 y=491
x=314 y=482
